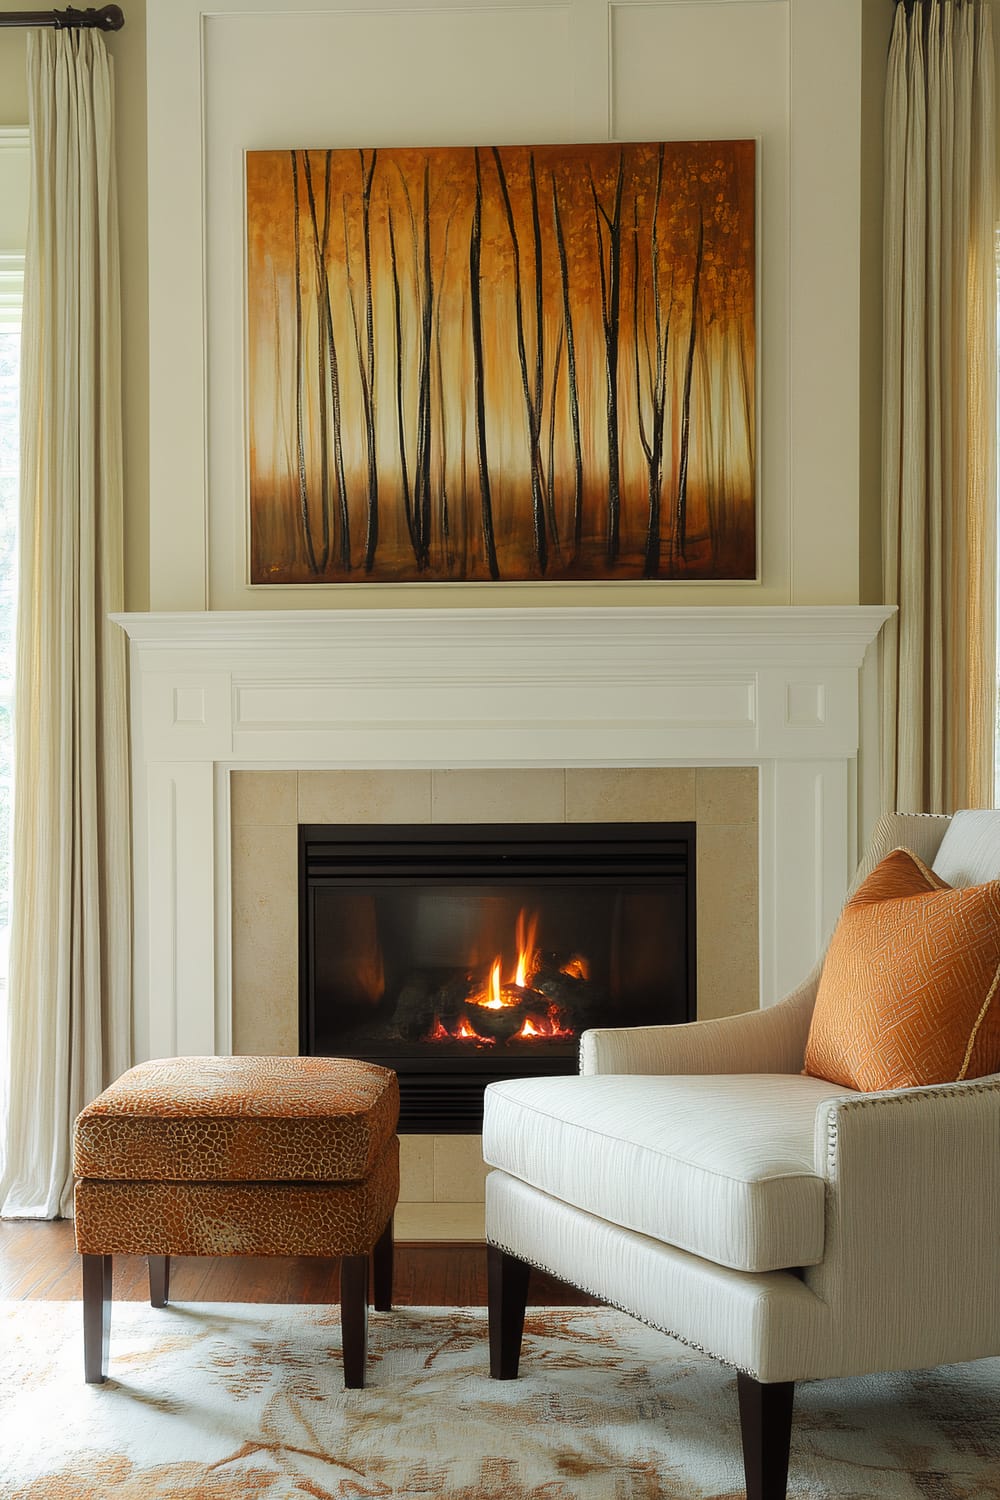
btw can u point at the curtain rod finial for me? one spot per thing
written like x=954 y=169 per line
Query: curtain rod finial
x=108 y=18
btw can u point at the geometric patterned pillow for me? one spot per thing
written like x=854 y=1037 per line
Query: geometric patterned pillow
x=909 y=992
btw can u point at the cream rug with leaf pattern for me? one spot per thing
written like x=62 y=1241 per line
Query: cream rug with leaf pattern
x=246 y=1402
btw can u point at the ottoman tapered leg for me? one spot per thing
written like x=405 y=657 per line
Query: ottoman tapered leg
x=159 y=1280
x=382 y=1257
x=96 y=1317
x=354 y=1318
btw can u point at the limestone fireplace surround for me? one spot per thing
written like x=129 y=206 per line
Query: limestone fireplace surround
x=245 y=719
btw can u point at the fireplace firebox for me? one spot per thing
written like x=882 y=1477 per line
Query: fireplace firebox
x=461 y=955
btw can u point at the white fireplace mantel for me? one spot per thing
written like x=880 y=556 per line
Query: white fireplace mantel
x=788 y=689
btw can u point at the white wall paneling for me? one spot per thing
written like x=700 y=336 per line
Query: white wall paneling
x=179 y=929
x=238 y=74
x=775 y=688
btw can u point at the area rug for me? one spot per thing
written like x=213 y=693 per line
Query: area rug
x=246 y=1402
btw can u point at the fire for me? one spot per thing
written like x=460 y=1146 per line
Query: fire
x=525 y=950
x=464 y=1033
x=551 y=1027
x=494 y=1000
x=501 y=994
x=512 y=1010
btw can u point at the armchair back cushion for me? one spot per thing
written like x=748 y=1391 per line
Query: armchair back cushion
x=909 y=991
x=969 y=853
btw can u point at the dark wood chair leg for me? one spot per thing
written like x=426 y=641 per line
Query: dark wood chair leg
x=159 y=1280
x=766 y=1428
x=96 y=1317
x=354 y=1318
x=382 y=1257
x=507 y=1291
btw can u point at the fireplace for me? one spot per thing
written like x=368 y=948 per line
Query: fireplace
x=403 y=707
x=458 y=955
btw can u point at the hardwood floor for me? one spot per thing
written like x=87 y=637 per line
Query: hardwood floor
x=38 y=1260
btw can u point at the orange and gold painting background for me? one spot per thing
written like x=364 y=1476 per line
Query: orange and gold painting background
x=514 y=363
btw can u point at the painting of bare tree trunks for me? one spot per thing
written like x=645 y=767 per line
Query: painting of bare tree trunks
x=502 y=363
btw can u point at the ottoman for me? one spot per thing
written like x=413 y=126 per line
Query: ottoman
x=239 y=1156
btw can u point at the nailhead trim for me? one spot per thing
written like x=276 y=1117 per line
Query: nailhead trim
x=989 y=1085
x=620 y=1307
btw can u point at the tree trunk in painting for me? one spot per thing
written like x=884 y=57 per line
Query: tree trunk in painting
x=532 y=405
x=299 y=378
x=656 y=375
x=400 y=403
x=682 y=471
x=444 y=517
x=571 y=374
x=550 y=473
x=371 y=536
x=610 y=303
x=475 y=308
x=338 y=431
x=422 y=496
x=328 y=367
x=321 y=359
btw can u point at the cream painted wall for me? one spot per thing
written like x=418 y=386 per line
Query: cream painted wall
x=877 y=18
x=13 y=93
x=822 y=534
x=799 y=74
x=128 y=48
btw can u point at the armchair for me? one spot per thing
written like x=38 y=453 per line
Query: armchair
x=789 y=1227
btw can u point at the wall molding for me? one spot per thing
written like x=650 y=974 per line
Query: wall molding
x=810 y=255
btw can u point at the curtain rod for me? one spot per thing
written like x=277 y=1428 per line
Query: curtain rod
x=108 y=18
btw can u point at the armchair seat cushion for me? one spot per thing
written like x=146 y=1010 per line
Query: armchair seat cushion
x=722 y=1166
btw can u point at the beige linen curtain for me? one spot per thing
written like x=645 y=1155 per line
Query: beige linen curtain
x=69 y=1022
x=939 y=408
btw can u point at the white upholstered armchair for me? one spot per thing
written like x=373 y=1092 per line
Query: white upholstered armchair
x=789 y=1227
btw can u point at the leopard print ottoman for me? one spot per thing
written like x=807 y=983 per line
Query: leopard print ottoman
x=239 y=1156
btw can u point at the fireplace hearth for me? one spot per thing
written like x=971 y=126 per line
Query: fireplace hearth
x=459 y=955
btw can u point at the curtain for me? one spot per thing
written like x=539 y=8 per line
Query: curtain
x=69 y=1011
x=939 y=409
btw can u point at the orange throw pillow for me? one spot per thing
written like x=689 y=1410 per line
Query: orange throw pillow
x=909 y=993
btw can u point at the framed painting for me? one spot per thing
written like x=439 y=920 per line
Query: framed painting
x=507 y=363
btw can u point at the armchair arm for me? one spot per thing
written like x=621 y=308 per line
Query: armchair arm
x=909 y=1269
x=760 y=1041
x=772 y=1040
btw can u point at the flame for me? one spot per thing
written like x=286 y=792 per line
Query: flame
x=466 y=1033
x=500 y=994
x=494 y=999
x=549 y=1026
x=516 y=991
x=525 y=949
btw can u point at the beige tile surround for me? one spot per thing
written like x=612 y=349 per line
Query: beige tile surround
x=442 y=1176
